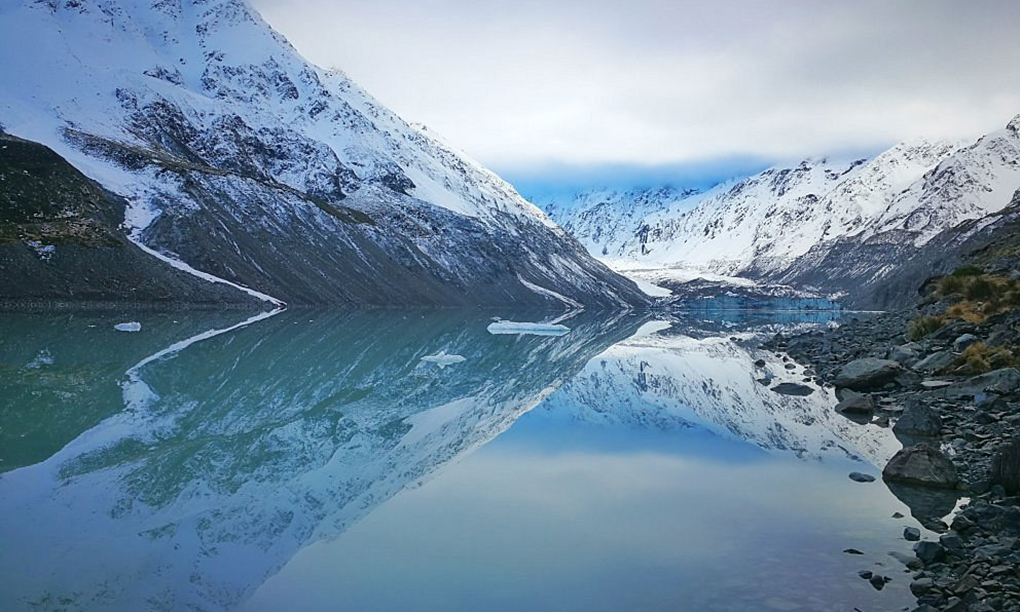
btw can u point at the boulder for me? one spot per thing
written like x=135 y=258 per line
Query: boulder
x=961 y=343
x=793 y=389
x=929 y=552
x=911 y=534
x=905 y=355
x=1001 y=382
x=867 y=373
x=922 y=586
x=935 y=362
x=861 y=477
x=855 y=403
x=919 y=421
x=921 y=465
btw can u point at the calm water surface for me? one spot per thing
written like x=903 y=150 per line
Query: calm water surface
x=314 y=461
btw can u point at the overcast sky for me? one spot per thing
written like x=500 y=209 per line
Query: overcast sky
x=545 y=91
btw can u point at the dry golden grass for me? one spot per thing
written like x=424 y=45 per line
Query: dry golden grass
x=979 y=358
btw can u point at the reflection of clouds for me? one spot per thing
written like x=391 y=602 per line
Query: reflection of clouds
x=759 y=80
x=579 y=520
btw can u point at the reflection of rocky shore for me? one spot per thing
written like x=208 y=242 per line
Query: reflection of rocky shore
x=243 y=448
x=690 y=375
x=958 y=430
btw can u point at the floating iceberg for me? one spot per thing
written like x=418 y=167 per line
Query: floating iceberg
x=442 y=360
x=535 y=329
x=132 y=326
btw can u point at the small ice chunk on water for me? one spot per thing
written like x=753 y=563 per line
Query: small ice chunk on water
x=131 y=326
x=535 y=329
x=442 y=360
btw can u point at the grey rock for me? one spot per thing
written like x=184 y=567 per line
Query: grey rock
x=919 y=420
x=922 y=465
x=951 y=541
x=861 y=477
x=793 y=389
x=911 y=534
x=910 y=561
x=878 y=581
x=935 y=362
x=922 y=586
x=759 y=363
x=929 y=552
x=855 y=403
x=1000 y=382
x=905 y=355
x=867 y=373
x=961 y=343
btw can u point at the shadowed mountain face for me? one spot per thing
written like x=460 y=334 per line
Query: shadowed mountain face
x=230 y=153
x=184 y=465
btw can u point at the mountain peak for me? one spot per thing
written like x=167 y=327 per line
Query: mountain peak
x=1014 y=126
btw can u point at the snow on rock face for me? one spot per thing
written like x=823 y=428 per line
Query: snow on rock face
x=786 y=218
x=209 y=79
x=603 y=219
x=243 y=160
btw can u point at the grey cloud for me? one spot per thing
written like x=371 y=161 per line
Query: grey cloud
x=656 y=82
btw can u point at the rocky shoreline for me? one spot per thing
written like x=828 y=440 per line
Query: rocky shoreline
x=958 y=427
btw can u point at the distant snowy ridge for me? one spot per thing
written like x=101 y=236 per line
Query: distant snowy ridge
x=779 y=225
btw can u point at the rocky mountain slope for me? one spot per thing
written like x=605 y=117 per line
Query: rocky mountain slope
x=841 y=227
x=602 y=219
x=239 y=160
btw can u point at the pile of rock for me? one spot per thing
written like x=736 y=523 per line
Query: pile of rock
x=958 y=433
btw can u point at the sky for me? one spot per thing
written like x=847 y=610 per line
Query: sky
x=562 y=95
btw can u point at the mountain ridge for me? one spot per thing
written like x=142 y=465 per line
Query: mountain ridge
x=793 y=225
x=240 y=158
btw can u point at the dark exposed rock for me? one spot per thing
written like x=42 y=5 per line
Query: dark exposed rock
x=861 y=477
x=905 y=355
x=921 y=465
x=935 y=362
x=855 y=403
x=929 y=552
x=919 y=420
x=793 y=389
x=1001 y=382
x=921 y=586
x=1006 y=467
x=964 y=341
x=867 y=373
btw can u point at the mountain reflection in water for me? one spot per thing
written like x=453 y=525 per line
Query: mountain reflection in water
x=209 y=464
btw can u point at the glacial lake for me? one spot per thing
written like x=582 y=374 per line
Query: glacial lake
x=312 y=461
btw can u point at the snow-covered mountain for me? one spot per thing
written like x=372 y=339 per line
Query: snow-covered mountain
x=603 y=219
x=794 y=224
x=242 y=160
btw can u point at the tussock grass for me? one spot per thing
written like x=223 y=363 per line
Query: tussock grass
x=979 y=358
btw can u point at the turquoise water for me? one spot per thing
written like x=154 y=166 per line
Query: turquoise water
x=315 y=461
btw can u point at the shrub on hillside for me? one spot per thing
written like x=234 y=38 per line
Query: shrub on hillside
x=979 y=358
x=967 y=270
x=980 y=289
x=949 y=285
x=923 y=327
